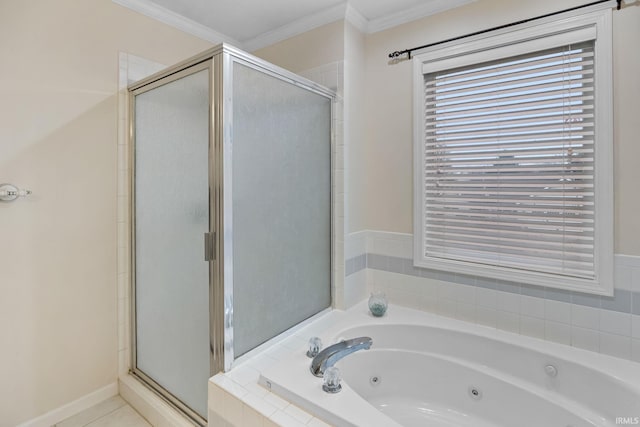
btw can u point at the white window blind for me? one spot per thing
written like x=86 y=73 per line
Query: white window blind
x=509 y=162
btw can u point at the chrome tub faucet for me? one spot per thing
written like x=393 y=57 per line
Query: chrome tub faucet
x=330 y=355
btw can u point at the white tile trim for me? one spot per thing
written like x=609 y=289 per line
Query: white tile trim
x=359 y=234
x=628 y=260
x=154 y=409
x=63 y=412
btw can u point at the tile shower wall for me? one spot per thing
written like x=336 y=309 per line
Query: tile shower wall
x=332 y=76
x=381 y=261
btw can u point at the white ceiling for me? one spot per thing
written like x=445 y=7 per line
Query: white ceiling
x=252 y=24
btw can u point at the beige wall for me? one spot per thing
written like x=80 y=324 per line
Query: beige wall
x=626 y=125
x=58 y=105
x=378 y=106
x=338 y=41
x=387 y=105
x=58 y=109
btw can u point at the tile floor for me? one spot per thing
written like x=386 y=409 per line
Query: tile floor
x=113 y=412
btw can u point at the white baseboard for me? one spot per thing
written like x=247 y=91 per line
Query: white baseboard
x=72 y=408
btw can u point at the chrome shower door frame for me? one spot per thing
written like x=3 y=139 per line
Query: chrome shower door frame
x=219 y=61
x=170 y=75
x=224 y=61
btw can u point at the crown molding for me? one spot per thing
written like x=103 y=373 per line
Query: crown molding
x=413 y=14
x=166 y=16
x=339 y=12
x=302 y=25
x=353 y=16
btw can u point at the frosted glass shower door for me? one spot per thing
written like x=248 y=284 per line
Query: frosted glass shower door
x=171 y=216
x=281 y=204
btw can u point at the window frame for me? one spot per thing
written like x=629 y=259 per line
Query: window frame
x=593 y=23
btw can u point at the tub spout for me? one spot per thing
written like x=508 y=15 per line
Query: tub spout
x=330 y=355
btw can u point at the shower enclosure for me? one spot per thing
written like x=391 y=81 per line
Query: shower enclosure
x=230 y=213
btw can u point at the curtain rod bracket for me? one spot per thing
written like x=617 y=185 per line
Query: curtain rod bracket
x=398 y=53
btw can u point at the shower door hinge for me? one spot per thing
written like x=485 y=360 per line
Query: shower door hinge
x=210 y=246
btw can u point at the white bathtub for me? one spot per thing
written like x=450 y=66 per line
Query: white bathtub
x=427 y=370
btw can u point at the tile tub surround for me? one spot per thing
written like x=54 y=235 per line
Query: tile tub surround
x=236 y=398
x=382 y=261
x=331 y=75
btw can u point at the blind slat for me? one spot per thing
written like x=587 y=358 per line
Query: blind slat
x=584 y=94
x=551 y=265
x=513 y=244
x=496 y=160
x=528 y=252
x=432 y=146
x=558 y=168
x=509 y=137
x=585 y=52
x=543 y=225
x=547 y=67
x=498 y=94
x=527 y=79
x=524 y=105
x=545 y=235
x=560 y=118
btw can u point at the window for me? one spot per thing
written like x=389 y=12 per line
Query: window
x=514 y=156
